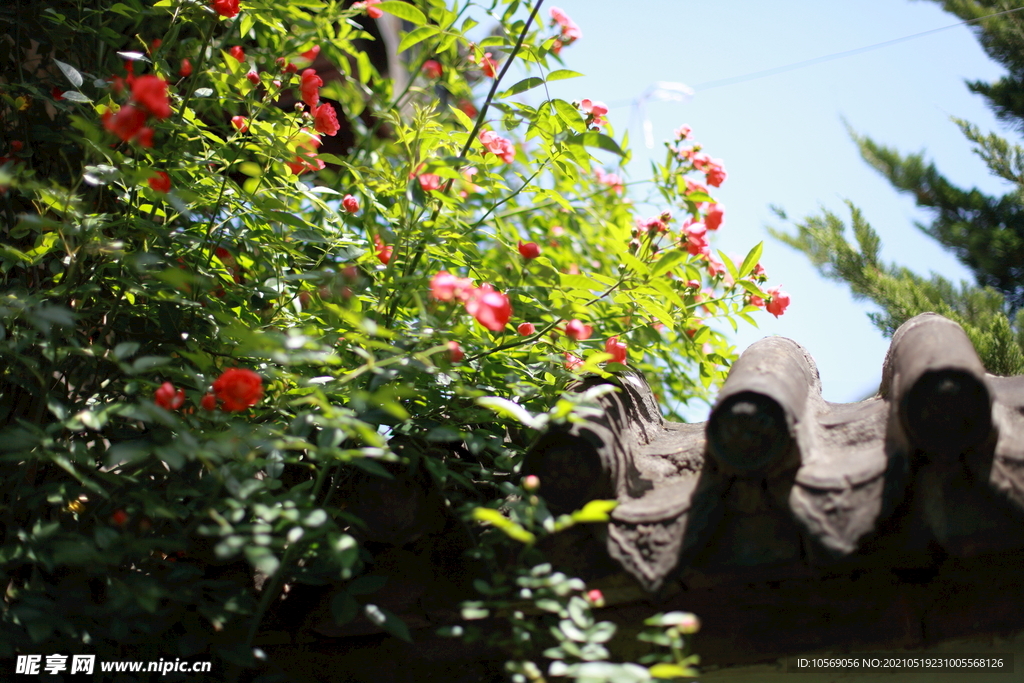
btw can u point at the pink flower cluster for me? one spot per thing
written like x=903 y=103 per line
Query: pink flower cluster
x=499 y=146
x=612 y=180
x=490 y=307
x=595 y=111
x=569 y=31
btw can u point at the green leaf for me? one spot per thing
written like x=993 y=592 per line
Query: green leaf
x=570 y=114
x=595 y=511
x=344 y=608
x=75 y=96
x=599 y=140
x=562 y=74
x=385 y=618
x=666 y=262
x=415 y=36
x=70 y=72
x=750 y=262
x=461 y=116
x=730 y=266
x=246 y=24
x=366 y=584
x=512 y=530
x=523 y=86
x=672 y=671
x=403 y=10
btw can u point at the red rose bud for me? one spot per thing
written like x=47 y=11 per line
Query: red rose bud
x=491 y=308
x=253 y=77
x=169 y=398
x=238 y=53
x=350 y=203
x=384 y=251
x=617 y=349
x=150 y=92
x=429 y=181
x=119 y=518
x=526 y=329
x=186 y=69
x=208 y=402
x=529 y=251
x=432 y=69
x=240 y=123
x=225 y=8
x=531 y=482
x=161 y=183
x=595 y=598
x=575 y=329
x=455 y=353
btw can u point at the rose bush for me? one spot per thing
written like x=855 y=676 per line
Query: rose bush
x=210 y=321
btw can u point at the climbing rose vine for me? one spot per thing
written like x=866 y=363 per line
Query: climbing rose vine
x=250 y=260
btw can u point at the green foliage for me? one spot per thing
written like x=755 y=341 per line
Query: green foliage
x=985 y=233
x=130 y=521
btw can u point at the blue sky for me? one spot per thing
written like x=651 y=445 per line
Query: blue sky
x=782 y=137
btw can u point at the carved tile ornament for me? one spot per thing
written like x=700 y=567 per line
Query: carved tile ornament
x=778 y=476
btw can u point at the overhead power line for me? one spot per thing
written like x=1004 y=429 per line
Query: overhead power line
x=663 y=91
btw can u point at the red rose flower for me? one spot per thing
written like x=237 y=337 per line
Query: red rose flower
x=225 y=8
x=325 y=120
x=444 y=287
x=208 y=402
x=489 y=66
x=240 y=123
x=384 y=251
x=150 y=92
x=455 y=352
x=238 y=53
x=617 y=349
x=126 y=123
x=161 y=183
x=311 y=54
x=253 y=77
x=306 y=159
x=238 y=389
x=713 y=219
x=310 y=87
x=368 y=5
x=526 y=329
x=779 y=302
x=529 y=251
x=350 y=203
x=572 y=361
x=432 y=69
x=56 y=94
x=491 y=308
x=574 y=329
x=168 y=398
x=145 y=136
x=429 y=181
x=715 y=174
x=186 y=68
